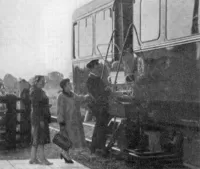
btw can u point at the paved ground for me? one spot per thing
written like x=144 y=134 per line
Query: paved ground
x=23 y=164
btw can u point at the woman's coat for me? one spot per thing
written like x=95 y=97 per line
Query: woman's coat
x=68 y=111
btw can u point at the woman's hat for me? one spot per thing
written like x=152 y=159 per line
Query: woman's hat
x=36 y=79
x=63 y=82
x=92 y=63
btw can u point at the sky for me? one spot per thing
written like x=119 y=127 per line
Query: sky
x=35 y=36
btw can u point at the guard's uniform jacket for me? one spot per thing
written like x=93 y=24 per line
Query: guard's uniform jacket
x=99 y=107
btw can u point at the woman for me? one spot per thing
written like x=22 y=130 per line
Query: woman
x=69 y=117
x=39 y=120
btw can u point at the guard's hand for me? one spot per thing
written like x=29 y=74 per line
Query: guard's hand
x=42 y=124
x=87 y=96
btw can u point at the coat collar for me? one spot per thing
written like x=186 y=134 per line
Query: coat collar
x=68 y=94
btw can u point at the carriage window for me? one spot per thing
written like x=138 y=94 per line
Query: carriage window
x=103 y=22
x=182 y=18
x=150 y=20
x=108 y=24
x=108 y=14
x=85 y=37
x=99 y=26
x=75 y=45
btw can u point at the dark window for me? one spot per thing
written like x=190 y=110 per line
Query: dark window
x=85 y=37
x=103 y=27
x=182 y=18
x=150 y=20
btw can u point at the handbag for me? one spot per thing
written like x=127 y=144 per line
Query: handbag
x=62 y=141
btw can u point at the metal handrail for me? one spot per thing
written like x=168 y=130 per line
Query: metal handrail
x=122 y=54
x=131 y=25
x=106 y=56
x=106 y=45
x=110 y=43
x=111 y=38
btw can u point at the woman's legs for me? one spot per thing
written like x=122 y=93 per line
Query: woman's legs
x=33 y=152
x=34 y=148
x=34 y=159
x=42 y=156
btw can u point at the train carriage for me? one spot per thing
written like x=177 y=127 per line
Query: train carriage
x=155 y=44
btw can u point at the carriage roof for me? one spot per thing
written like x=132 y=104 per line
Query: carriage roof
x=91 y=6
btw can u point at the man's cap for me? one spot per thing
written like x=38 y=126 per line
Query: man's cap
x=92 y=63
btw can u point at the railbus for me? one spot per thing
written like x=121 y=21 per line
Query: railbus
x=152 y=51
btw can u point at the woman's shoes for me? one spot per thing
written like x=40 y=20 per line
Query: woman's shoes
x=34 y=161
x=66 y=160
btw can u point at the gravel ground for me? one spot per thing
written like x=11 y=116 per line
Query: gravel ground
x=82 y=156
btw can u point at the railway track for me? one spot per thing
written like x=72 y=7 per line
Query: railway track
x=88 y=128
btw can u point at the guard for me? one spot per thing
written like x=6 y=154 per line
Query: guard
x=98 y=106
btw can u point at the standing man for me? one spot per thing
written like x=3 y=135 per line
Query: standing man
x=99 y=106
